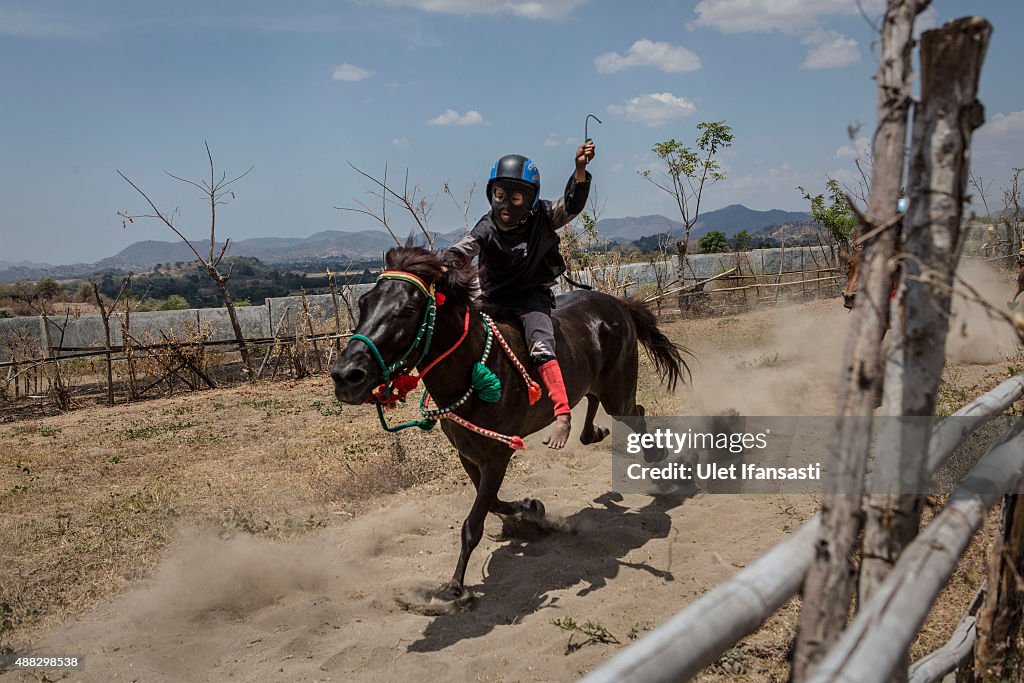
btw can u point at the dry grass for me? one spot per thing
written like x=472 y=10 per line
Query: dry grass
x=89 y=499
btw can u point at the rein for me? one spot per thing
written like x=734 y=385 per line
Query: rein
x=398 y=384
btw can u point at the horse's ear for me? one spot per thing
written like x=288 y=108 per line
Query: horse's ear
x=457 y=273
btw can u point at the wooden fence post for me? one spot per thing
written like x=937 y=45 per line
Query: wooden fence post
x=951 y=59
x=828 y=588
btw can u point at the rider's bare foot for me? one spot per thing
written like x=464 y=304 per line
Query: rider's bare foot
x=559 y=433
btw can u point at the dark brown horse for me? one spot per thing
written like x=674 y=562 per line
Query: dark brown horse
x=1012 y=303
x=597 y=339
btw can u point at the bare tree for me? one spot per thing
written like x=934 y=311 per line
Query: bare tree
x=463 y=207
x=216 y=191
x=1012 y=211
x=412 y=201
x=105 y=314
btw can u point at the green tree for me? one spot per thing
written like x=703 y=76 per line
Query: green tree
x=689 y=171
x=742 y=240
x=175 y=302
x=713 y=242
x=835 y=217
x=48 y=289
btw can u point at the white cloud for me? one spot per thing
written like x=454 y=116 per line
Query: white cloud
x=788 y=16
x=400 y=143
x=453 y=118
x=997 y=146
x=665 y=56
x=655 y=109
x=829 y=50
x=350 y=72
x=553 y=140
x=1003 y=125
x=528 y=9
x=857 y=149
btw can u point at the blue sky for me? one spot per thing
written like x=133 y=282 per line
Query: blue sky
x=439 y=87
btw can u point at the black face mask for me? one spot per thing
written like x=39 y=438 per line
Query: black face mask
x=517 y=212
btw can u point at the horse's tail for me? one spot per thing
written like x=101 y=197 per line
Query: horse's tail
x=667 y=355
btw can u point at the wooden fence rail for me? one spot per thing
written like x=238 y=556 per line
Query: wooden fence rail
x=701 y=632
x=871 y=647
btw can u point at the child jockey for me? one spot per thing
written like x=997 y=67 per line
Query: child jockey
x=517 y=246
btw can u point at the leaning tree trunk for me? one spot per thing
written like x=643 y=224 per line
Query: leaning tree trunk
x=828 y=588
x=951 y=60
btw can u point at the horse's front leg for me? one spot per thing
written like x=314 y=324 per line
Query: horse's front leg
x=526 y=506
x=491 y=474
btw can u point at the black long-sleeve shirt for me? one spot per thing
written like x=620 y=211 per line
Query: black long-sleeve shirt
x=525 y=258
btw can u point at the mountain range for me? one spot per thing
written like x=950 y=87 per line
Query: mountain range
x=368 y=244
x=729 y=220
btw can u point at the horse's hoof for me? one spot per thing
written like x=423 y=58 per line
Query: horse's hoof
x=453 y=594
x=594 y=435
x=430 y=603
x=531 y=507
x=655 y=455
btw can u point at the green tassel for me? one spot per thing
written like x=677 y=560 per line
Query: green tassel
x=486 y=383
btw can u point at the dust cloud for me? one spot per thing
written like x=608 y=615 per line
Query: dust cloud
x=976 y=333
x=792 y=372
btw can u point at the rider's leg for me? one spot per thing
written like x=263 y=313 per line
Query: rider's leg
x=540 y=339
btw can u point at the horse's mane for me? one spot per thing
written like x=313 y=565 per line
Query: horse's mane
x=450 y=274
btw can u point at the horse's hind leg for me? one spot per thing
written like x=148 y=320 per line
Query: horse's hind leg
x=592 y=433
x=621 y=404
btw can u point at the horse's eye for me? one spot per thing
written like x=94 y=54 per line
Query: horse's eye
x=408 y=312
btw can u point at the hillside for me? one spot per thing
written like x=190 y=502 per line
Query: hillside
x=370 y=244
x=328 y=244
x=730 y=220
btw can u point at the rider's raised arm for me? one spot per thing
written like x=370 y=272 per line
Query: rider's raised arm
x=564 y=209
x=574 y=200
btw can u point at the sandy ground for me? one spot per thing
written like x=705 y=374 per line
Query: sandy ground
x=347 y=599
x=329 y=608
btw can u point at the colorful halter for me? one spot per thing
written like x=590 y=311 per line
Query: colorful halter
x=482 y=381
x=388 y=393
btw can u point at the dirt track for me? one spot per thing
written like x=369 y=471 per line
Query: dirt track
x=271 y=572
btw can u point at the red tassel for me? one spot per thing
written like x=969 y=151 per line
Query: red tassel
x=535 y=392
x=404 y=384
x=439 y=299
x=517 y=443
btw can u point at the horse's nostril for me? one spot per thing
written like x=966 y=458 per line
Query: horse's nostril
x=354 y=376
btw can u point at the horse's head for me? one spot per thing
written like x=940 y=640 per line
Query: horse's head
x=850 y=293
x=395 y=320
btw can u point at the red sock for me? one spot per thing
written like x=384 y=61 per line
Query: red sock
x=551 y=374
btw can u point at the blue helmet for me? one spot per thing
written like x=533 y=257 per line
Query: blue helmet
x=516 y=168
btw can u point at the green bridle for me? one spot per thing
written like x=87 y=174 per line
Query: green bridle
x=483 y=382
x=423 y=336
